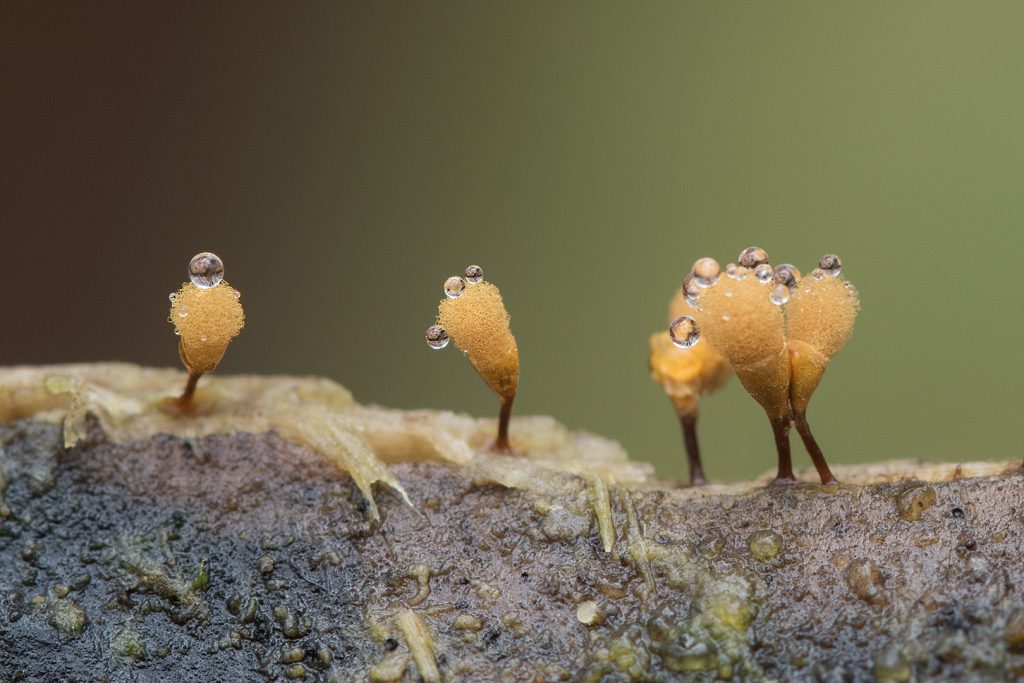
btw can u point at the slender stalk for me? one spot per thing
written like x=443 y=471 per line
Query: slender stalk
x=689 y=425
x=800 y=420
x=501 y=444
x=185 y=400
x=780 y=428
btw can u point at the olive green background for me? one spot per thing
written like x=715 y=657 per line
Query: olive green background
x=344 y=158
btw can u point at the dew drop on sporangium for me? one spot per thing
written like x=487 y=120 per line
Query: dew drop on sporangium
x=706 y=271
x=474 y=274
x=779 y=295
x=786 y=274
x=437 y=337
x=736 y=272
x=691 y=290
x=831 y=264
x=764 y=273
x=751 y=257
x=206 y=270
x=684 y=332
x=454 y=286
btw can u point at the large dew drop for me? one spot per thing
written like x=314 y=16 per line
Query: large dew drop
x=437 y=337
x=454 y=286
x=206 y=270
x=831 y=264
x=786 y=274
x=751 y=257
x=779 y=295
x=706 y=271
x=684 y=332
x=474 y=274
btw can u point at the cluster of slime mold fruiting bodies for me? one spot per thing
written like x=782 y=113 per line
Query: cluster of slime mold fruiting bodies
x=778 y=331
x=686 y=371
x=473 y=314
x=206 y=315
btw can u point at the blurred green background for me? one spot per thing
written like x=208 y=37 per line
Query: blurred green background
x=344 y=159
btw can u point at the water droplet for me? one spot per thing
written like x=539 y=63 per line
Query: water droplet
x=786 y=274
x=728 y=294
x=182 y=314
x=684 y=332
x=170 y=297
x=779 y=295
x=706 y=271
x=751 y=257
x=817 y=274
x=850 y=287
x=454 y=286
x=205 y=270
x=725 y=317
x=764 y=273
x=831 y=264
x=474 y=274
x=736 y=272
x=202 y=338
x=691 y=290
x=437 y=337
x=238 y=295
x=176 y=332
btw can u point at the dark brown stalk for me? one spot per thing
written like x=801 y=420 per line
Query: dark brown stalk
x=800 y=421
x=501 y=444
x=780 y=429
x=185 y=400
x=689 y=424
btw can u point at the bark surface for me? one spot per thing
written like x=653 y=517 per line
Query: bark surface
x=247 y=558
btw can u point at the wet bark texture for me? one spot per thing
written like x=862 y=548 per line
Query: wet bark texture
x=246 y=558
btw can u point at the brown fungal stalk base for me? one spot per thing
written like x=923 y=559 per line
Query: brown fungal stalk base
x=186 y=402
x=501 y=444
x=804 y=429
x=780 y=430
x=688 y=422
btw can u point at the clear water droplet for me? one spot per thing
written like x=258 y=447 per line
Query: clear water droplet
x=474 y=274
x=764 y=273
x=454 y=286
x=176 y=332
x=684 y=332
x=691 y=290
x=182 y=314
x=831 y=264
x=817 y=274
x=437 y=337
x=850 y=287
x=786 y=274
x=725 y=317
x=706 y=271
x=736 y=272
x=202 y=338
x=751 y=257
x=170 y=297
x=779 y=295
x=206 y=270
x=728 y=294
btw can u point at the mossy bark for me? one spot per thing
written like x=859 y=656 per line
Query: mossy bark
x=246 y=557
